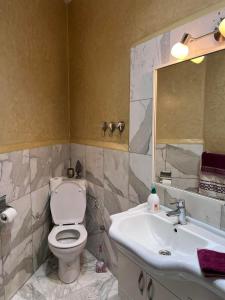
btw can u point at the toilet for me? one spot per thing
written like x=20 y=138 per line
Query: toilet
x=68 y=237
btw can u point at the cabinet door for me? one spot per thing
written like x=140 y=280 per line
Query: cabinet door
x=155 y=291
x=132 y=279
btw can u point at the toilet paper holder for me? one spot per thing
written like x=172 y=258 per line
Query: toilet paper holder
x=3 y=204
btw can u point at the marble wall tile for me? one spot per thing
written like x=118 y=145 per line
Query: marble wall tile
x=95 y=208
x=78 y=153
x=40 y=166
x=40 y=207
x=14 y=174
x=60 y=159
x=94 y=165
x=140 y=138
x=197 y=206
x=140 y=177
x=15 y=233
x=116 y=171
x=40 y=244
x=2 y=288
x=183 y=160
x=160 y=159
x=187 y=184
x=222 y=221
x=113 y=204
x=110 y=253
x=143 y=58
x=17 y=267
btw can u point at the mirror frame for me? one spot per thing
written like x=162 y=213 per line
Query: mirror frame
x=154 y=117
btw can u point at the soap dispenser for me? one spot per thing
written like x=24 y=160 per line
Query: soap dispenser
x=153 y=200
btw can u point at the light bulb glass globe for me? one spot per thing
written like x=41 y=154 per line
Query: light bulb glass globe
x=222 y=27
x=198 y=60
x=179 y=51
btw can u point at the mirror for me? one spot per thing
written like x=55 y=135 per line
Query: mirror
x=190 y=121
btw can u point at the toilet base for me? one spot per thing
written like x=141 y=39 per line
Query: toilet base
x=68 y=272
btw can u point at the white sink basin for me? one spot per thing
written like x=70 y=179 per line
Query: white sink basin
x=156 y=233
x=146 y=234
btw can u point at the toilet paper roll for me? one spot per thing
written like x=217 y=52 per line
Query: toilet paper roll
x=8 y=215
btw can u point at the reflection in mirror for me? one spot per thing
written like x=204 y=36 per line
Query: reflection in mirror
x=190 y=125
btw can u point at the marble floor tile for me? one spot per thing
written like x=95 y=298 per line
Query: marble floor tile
x=17 y=267
x=94 y=165
x=40 y=203
x=16 y=232
x=140 y=139
x=45 y=285
x=14 y=174
x=78 y=153
x=116 y=171
x=140 y=177
x=60 y=159
x=40 y=166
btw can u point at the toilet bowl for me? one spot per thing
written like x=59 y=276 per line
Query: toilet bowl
x=68 y=237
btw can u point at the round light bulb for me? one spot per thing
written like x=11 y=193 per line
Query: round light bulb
x=198 y=60
x=179 y=51
x=222 y=27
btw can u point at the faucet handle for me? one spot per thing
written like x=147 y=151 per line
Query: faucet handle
x=179 y=203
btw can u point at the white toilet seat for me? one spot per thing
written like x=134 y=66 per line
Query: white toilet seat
x=67 y=236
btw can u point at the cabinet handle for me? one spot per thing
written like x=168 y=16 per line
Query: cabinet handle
x=149 y=290
x=141 y=282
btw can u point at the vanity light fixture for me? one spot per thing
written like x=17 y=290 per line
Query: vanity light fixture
x=198 y=60
x=180 y=50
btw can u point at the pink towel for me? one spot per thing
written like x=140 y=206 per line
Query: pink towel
x=212 y=263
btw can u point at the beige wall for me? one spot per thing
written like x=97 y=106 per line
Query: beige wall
x=33 y=60
x=33 y=73
x=180 y=103
x=214 y=124
x=101 y=34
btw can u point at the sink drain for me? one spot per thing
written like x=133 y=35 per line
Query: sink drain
x=165 y=252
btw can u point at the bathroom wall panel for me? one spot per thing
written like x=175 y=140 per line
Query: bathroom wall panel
x=33 y=75
x=24 y=243
x=140 y=138
x=2 y=289
x=112 y=196
x=116 y=165
x=140 y=177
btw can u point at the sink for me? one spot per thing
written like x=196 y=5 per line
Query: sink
x=164 y=246
x=156 y=233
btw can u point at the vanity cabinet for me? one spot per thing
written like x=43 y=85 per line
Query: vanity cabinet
x=136 y=284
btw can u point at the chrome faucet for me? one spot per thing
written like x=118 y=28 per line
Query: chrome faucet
x=180 y=211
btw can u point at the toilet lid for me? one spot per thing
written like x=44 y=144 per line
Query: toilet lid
x=68 y=203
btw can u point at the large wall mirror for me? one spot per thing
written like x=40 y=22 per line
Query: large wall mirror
x=190 y=125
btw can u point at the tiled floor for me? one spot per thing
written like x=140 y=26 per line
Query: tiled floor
x=45 y=285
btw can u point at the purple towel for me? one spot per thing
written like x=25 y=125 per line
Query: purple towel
x=213 y=163
x=212 y=263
